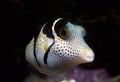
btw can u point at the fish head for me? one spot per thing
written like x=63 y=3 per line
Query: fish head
x=64 y=51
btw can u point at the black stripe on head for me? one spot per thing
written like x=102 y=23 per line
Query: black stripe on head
x=36 y=33
x=48 y=31
x=46 y=54
x=57 y=27
x=35 y=39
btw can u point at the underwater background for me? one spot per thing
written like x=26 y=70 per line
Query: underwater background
x=21 y=19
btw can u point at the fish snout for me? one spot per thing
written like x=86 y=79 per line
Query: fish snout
x=88 y=56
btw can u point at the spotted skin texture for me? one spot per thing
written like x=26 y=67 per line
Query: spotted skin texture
x=61 y=53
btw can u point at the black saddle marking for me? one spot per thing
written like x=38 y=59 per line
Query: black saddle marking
x=35 y=39
x=46 y=54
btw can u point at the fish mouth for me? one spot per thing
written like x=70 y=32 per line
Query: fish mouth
x=88 y=56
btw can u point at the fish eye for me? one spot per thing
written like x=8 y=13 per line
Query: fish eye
x=61 y=29
x=64 y=32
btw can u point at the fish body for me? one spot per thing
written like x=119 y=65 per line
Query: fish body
x=61 y=52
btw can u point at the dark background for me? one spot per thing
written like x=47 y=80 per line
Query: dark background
x=21 y=19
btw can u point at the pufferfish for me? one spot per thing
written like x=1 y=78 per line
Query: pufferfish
x=60 y=49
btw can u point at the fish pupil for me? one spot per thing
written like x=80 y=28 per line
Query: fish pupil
x=63 y=32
